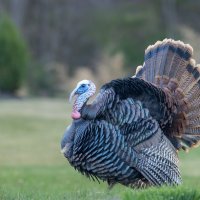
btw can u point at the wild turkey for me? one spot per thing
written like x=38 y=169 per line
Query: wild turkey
x=133 y=130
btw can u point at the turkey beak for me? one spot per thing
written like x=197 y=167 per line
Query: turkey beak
x=73 y=93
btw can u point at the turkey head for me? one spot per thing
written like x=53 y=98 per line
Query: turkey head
x=83 y=91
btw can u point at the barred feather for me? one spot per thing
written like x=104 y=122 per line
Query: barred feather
x=110 y=148
x=159 y=164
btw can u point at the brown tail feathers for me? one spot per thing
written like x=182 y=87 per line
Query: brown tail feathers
x=170 y=66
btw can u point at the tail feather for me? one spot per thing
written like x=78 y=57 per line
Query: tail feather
x=186 y=76
x=167 y=58
x=190 y=140
x=194 y=92
x=169 y=65
x=149 y=71
x=193 y=130
x=192 y=80
x=194 y=121
x=140 y=71
x=193 y=118
x=183 y=61
x=166 y=70
x=159 y=58
x=194 y=102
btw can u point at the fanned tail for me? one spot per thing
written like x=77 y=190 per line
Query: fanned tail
x=170 y=66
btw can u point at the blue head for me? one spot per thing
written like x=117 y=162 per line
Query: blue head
x=82 y=88
x=83 y=91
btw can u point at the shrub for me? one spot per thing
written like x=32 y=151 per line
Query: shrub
x=13 y=57
x=47 y=80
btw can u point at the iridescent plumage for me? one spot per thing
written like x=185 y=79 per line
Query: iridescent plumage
x=132 y=131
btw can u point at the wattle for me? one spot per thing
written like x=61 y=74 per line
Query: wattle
x=76 y=115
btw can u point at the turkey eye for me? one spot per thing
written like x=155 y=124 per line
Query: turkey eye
x=83 y=85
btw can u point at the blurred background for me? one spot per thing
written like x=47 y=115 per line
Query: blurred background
x=46 y=47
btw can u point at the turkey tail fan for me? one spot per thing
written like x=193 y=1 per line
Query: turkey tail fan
x=140 y=72
x=169 y=65
x=166 y=59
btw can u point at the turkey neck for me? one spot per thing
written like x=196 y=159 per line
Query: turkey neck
x=80 y=101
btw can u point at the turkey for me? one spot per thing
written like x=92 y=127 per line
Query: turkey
x=134 y=128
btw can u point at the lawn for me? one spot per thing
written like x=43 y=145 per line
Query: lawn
x=32 y=167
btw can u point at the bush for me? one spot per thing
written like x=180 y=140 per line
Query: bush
x=13 y=57
x=47 y=80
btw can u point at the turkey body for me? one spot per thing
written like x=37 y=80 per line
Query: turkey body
x=133 y=130
x=94 y=152
x=117 y=145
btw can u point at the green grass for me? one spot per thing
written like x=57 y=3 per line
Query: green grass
x=32 y=167
x=164 y=193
